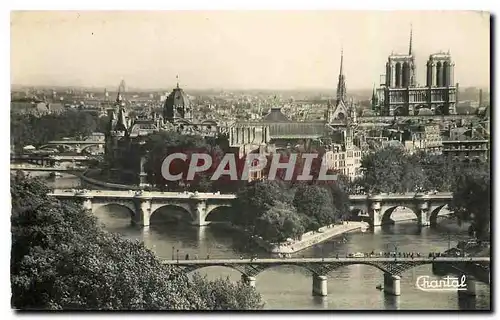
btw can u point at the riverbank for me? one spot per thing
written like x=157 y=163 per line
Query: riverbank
x=308 y=239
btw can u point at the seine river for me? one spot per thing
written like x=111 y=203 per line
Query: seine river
x=352 y=287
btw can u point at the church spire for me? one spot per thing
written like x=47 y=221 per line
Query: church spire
x=341 y=60
x=177 y=77
x=119 y=95
x=341 y=89
x=411 y=40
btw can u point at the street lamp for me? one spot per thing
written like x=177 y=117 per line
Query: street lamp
x=177 y=255
x=173 y=252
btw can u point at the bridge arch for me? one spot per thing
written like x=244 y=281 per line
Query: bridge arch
x=386 y=213
x=47 y=146
x=365 y=263
x=129 y=206
x=88 y=146
x=217 y=212
x=184 y=208
x=239 y=268
x=305 y=267
x=434 y=214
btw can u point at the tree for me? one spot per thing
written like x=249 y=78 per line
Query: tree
x=471 y=200
x=62 y=259
x=315 y=202
x=161 y=144
x=279 y=222
x=340 y=197
x=383 y=170
x=256 y=198
x=224 y=295
x=32 y=130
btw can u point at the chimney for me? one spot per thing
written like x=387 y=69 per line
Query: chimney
x=480 y=97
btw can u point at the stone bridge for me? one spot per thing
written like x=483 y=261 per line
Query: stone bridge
x=74 y=145
x=48 y=160
x=70 y=170
x=143 y=205
x=378 y=208
x=392 y=268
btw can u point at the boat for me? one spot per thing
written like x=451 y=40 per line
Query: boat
x=380 y=287
x=55 y=174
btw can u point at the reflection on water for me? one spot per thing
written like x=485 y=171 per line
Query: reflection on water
x=287 y=287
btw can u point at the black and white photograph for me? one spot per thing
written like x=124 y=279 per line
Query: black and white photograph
x=250 y=160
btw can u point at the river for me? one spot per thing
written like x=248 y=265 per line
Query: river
x=349 y=288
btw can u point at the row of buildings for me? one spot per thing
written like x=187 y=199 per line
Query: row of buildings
x=338 y=133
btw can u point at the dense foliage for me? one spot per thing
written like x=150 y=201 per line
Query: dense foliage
x=472 y=202
x=393 y=170
x=161 y=144
x=277 y=210
x=27 y=129
x=62 y=259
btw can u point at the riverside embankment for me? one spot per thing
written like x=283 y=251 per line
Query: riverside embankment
x=308 y=239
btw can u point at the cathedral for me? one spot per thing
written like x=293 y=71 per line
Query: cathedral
x=401 y=95
x=334 y=134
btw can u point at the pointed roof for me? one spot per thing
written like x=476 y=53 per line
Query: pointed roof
x=340 y=112
x=121 y=123
x=411 y=39
x=275 y=115
x=341 y=88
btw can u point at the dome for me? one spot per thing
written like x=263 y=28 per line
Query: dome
x=177 y=98
x=177 y=105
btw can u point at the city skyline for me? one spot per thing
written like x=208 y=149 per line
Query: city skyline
x=148 y=49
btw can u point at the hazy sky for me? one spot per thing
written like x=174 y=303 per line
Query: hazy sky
x=239 y=49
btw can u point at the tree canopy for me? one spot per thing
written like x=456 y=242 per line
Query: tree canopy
x=471 y=200
x=27 y=129
x=62 y=259
x=392 y=170
x=278 y=210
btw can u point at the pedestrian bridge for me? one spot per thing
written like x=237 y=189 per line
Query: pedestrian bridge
x=392 y=268
x=378 y=208
x=143 y=205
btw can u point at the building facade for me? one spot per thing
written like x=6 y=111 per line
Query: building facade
x=401 y=95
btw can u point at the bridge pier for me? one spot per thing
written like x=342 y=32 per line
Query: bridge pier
x=199 y=209
x=375 y=214
x=87 y=203
x=423 y=217
x=392 y=284
x=320 y=285
x=248 y=280
x=143 y=211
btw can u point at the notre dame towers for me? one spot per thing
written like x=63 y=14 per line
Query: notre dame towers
x=400 y=94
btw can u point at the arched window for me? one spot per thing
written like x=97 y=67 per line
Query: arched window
x=439 y=74
x=398 y=74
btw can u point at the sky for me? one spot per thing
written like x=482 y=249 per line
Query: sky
x=239 y=49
